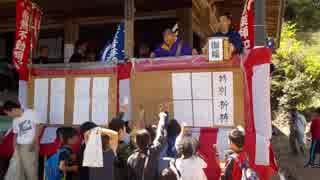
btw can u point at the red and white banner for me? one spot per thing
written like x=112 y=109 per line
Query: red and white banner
x=258 y=111
x=36 y=22
x=28 y=18
x=247 y=25
x=21 y=50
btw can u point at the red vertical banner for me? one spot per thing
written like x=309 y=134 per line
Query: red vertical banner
x=247 y=25
x=21 y=50
x=36 y=22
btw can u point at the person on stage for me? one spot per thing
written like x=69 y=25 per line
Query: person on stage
x=172 y=46
x=227 y=30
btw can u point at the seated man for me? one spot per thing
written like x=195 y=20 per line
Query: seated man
x=43 y=57
x=79 y=54
x=172 y=46
x=226 y=30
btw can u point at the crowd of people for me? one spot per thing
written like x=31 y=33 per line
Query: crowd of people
x=164 y=151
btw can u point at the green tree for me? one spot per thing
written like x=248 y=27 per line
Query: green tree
x=296 y=80
x=304 y=13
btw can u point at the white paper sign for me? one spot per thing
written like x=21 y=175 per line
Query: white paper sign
x=57 y=100
x=183 y=112
x=125 y=97
x=223 y=98
x=100 y=100
x=223 y=112
x=204 y=99
x=23 y=93
x=49 y=135
x=181 y=86
x=222 y=84
x=81 y=101
x=41 y=95
x=203 y=115
x=223 y=142
x=201 y=85
x=216 y=49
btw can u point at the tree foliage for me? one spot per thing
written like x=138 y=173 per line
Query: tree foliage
x=296 y=80
x=305 y=13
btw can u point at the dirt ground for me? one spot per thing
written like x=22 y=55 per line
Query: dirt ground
x=291 y=166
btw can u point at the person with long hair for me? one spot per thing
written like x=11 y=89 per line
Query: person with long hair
x=143 y=163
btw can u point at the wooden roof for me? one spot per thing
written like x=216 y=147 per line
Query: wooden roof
x=94 y=7
x=204 y=12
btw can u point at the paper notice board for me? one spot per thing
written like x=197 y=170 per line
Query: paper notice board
x=211 y=98
x=57 y=100
x=100 y=100
x=200 y=98
x=41 y=87
x=81 y=104
x=73 y=100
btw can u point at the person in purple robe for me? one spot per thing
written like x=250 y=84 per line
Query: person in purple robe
x=172 y=46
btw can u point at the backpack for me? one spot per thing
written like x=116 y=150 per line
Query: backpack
x=52 y=171
x=247 y=172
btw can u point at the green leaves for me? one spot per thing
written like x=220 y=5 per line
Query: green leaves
x=296 y=80
x=304 y=13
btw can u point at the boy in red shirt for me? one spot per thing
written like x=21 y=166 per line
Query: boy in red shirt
x=315 y=134
x=235 y=157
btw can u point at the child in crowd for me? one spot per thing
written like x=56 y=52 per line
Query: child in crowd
x=170 y=152
x=66 y=158
x=174 y=130
x=84 y=171
x=123 y=151
x=143 y=164
x=189 y=166
x=236 y=157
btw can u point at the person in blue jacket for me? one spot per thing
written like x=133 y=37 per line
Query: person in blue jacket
x=226 y=30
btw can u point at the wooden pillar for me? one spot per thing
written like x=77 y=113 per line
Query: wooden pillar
x=71 y=35
x=3 y=47
x=259 y=23
x=129 y=28
x=205 y=21
x=185 y=25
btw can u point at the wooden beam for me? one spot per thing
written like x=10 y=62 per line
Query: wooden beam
x=185 y=25
x=156 y=15
x=129 y=27
x=71 y=35
x=71 y=31
x=280 y=21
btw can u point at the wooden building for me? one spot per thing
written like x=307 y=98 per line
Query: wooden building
x=66 y=21
x=205 y=15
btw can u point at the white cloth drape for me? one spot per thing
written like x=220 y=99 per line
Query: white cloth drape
x=93 y=156
x=262 y=112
